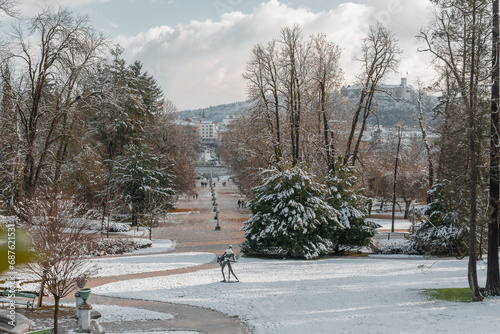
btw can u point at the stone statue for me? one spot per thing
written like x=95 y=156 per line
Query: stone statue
x=226 y=259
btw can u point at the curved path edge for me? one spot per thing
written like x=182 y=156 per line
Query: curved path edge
x=186 y=317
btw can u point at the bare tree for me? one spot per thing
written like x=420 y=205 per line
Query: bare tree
x=175 y=146
x=395 y=179
x=263 y=87
x=59 y=230
x=426 y=142
x=379 y=56
x=295 y=76
x=9 y=7
x=327 y=77
x=493 y=274
x=457 y=39
x=49 y=92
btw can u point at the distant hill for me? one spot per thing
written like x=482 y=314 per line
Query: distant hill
x=389 y=111
x=216 y=113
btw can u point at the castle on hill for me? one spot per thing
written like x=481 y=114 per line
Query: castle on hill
x=401 y=91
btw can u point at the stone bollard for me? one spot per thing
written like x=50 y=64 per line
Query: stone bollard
x=84 y=319
x=217 y=227
x=79 y=301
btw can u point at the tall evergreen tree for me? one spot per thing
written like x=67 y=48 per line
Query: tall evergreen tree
x=444 y=231
x=145 y=184
x=289 y=215
x=352 y=207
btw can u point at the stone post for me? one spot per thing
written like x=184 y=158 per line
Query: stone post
x=84 y=319
x=79 y=301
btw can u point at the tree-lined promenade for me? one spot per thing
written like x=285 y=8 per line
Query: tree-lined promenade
x=88 y=136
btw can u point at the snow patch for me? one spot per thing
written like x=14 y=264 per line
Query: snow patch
x=115 y=313
x=124 y=265
x=352 y=295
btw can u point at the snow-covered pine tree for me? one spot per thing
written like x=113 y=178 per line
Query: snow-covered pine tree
x=290 y=217
x=144 y=183
x=352 y=207
x=443 y=230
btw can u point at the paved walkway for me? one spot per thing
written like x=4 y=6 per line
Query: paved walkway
x=193 y=229
x=187 y=318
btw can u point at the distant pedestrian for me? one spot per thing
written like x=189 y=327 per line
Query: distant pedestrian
x=239 y=203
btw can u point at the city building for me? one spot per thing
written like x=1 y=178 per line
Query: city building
x=208 y=133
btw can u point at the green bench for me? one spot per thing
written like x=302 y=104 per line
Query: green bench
x=42 y=331
x=20 y=298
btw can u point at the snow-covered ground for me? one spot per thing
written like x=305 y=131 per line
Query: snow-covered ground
x=338 y=295
x=157 y=246
x=117 y=314
x=123 y=265
x=386 y=224
x=114 y=313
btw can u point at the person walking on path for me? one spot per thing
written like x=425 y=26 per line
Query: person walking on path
x=226 y=259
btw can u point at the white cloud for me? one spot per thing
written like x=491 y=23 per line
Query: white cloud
x=200 y=63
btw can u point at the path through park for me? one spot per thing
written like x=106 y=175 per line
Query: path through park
x=193 y=229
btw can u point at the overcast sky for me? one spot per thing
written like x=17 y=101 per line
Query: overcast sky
x=197 y=49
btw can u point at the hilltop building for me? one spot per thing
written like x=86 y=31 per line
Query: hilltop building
x=401 y=91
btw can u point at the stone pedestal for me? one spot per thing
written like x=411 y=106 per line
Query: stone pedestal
x=79 y=301
x=84 y=319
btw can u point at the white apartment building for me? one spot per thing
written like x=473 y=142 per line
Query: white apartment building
x=208 y=132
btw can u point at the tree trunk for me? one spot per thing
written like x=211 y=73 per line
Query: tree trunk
x=329 y=148
x=492 y=287
x=366 y=113
x=40 y=293
x=56 y=312
x=472 y=266
x=407 y=208
x=395 y=184
x=134 y=218
x=278 y=150
x=427 y=146
x=353 y=126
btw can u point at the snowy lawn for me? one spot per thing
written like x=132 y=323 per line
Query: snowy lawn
x=339 y=295
x=157 y=246
x=114 y=313
x=386 y=224
x=117 y=314
x=123 y=265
